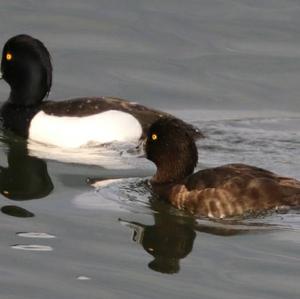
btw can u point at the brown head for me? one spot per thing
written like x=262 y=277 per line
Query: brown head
x=171 y=147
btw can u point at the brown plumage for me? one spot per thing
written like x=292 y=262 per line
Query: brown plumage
x=225 y=191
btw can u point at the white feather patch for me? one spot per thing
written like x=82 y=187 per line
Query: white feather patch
x=72 y=132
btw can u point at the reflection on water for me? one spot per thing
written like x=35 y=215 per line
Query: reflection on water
x=173 y=233
x=36 y=235
x=167 y=240
x=16 y=211
x=25 y=177
x=82 y=277
x=32 y=247
x=113 y=155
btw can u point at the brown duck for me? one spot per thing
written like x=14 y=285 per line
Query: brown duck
x=225 y=191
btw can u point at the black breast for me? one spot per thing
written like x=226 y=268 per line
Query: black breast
x=17 y=118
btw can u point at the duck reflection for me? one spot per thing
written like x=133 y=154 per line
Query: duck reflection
x=173 y=233
x=168 y=240
x=25 y=177
x=16 y=211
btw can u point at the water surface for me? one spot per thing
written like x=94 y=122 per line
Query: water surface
x=230 y=67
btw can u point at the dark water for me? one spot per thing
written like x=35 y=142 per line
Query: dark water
x=230 y=67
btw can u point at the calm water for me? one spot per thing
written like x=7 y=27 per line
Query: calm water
x=230 y=67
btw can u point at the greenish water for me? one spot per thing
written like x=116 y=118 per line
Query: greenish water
x=230 y=67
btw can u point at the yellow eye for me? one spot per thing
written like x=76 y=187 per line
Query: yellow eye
x=154 y=136
x=8 y=56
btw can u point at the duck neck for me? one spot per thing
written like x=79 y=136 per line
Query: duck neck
x=29 y=91
x=172 y=173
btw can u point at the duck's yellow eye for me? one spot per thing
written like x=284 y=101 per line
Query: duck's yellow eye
x=8 y=56
x=154 y=136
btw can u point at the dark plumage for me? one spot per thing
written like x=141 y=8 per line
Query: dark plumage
x=28 y=70
x=225 y=191
x=25 y=177
x=26 y=67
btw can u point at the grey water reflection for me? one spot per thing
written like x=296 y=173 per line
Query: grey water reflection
x=168 y=240
x=16 y=211
x=25 y=177
x=171 y=238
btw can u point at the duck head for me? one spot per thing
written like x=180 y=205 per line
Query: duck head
x=172 y=149
x=26 y=67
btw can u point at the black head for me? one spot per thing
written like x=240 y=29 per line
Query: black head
x=171 y=147
x=26 y=67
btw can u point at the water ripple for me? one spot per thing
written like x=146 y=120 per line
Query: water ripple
x=32 y=247
x=35 y=235
x=271 y=143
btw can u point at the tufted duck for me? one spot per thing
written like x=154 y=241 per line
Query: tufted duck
x=26 y=67
x=225 y=191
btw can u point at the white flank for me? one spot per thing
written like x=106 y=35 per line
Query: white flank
x=72 y=132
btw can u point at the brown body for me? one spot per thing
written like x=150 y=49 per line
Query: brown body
x=231 y=190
